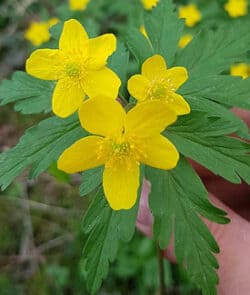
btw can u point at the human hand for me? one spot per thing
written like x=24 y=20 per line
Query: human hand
x=233 y=238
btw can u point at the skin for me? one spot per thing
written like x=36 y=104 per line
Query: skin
x=233 y=238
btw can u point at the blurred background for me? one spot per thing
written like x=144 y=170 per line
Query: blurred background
x=41 y=240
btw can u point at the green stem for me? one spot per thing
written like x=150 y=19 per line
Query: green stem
x=161 y=271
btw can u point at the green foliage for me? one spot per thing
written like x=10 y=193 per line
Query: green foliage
x=164 y=29
x=39 y=147
x=212 y=52
x=178 y=197
x=176 y=204
x=105 y=228
x=224 y=89
x=202 y=140
x=118 y=62
x=91 y=179
x=213 y=109
x=138 y=45
x=29 y=94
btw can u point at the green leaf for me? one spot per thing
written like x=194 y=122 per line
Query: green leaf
x=226 y=90
x=91 y=179
x=204 y=142
x=118 y=62
x=105 y=228
x=39 y=147
x=29 y=94
x=177 y=198
x=138 y=45
x=212 y=52
x=164 y=29
x=210 y=108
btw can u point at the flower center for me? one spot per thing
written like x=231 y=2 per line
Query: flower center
x=120 y=150
x=72 y=69
x=162 y=90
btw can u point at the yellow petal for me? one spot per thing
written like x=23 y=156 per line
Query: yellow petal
x=73 y=37
x=82 y=155
x=159 y=152
x=45 y=64
x=149 y=118
x=100 y=48
x=154 y=67
x=67 y=98
x=120 y=184
x=103 y=82
x=177 y=76
x=102 y=116
x=178 y=104
x=138 y=87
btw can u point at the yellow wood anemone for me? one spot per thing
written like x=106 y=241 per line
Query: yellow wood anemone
x=156 y=82
x=121 y=141
x=79 y=66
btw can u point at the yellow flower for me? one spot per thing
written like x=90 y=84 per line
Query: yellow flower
x=158 y=82
x=149 y=4
x=38 y=32
x=143 y=31
x=79 y=65
x=236 y=8
x=184 y=40
x=78 y=4
x=121 y=142
x=241 y=69
x=191 y=14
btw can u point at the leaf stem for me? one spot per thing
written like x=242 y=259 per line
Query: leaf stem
x=161 y=271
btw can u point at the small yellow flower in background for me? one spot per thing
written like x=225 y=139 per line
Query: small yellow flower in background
x=78 y=4
x=121 y=142
x=38 y=32
x=241 y=69
x=149 y=4
x=185 y=40
x=79 y=65
x=191 y=14
x=143 y=31
x=236 y=8
x=159 y=83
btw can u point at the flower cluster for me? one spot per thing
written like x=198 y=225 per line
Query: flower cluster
x=120 y=141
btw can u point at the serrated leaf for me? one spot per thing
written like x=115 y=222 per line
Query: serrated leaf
x=39 y=147
x=212 y=52
x=29 y=94
x=214 y=109
x=91 y=179
x=226 y=90
x=176 y=199
x=105 y=228
x=224 y=156
x=138 y=45
x=164 y=29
